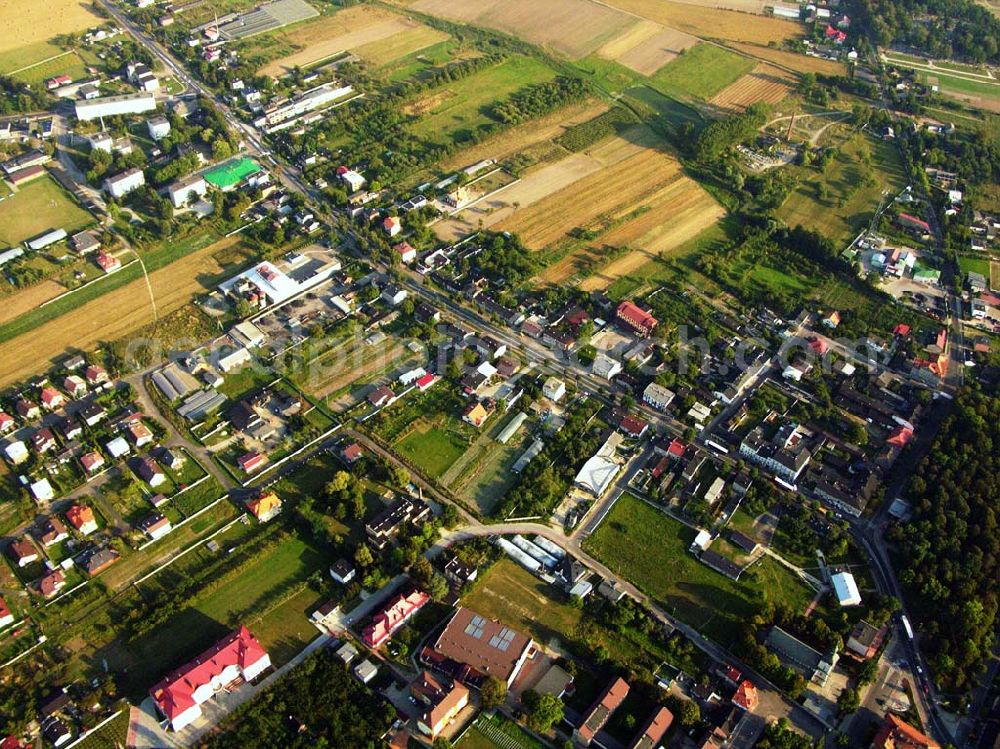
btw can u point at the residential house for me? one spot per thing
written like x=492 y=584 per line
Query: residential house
x=96 y=375
x=865 y=640
x=251 y=462
x=118 y=448
x=343 y=571
x=657 y=396
x=554 y=389
x=606 y=366
x=75 y=386
x=381 y=396
x=485 y=647
x=51 y=583
x=16 y=452
x=120 y=185
x=385 y=526
x=458 y=573
x=93 y=414
x=399 y=610
x=490 y=348
x=82 y=518
x=366 y=671
x=23 y=552
x=7 y=423
x=97 y=559
x=237 y=657
x=600 y=712
x=651 y=735
x=831 y=320
x=441 y=702
x=172 y=459
x=746 y=697
x=69 y=427
x=27 y=409
x=52 y=399
x=51 y=532
x=393 y=295
x=155 y=526
x=478 y=412
x=43 y=440
x=140 y=434
x=149 y=472
x=392 y=226
x=264 y=506
x=351 y=453
x=6 y=619
x=405 y=252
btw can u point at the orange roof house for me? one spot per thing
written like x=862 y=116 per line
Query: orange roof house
x=746 y=696
x=600 y=712
x=82 y=518
x=264 y=506
x=897 y=734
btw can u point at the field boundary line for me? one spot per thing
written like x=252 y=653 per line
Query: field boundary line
x=96 y=728
x=41 y=62
x=194 y=545
x=186 y=520
x=68 y=292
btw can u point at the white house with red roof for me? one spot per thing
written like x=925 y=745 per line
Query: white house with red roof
x=27 y=409
x=6 y=617
x=425 y=382
x=180 y=695
x=407 y=253
x=82 y=518
x=636 y=318
x=75 y=386
x=6 y=422
x=385 y=623
x=392 y=226
x=96 y=374
x=92 y=462
x=251 y=462
x=109 y=263
x=52 y=398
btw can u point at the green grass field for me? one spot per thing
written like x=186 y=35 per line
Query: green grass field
x=234 y=601
x=454 y=111
x=650 y=549
x=417 y=62
x=36 y=207
x=68 y=64
x=607 y=74
x=974 y=265
x=29 y=54
x=701 y=71
x=433 y=447
x=842 y=200
x=492 y=731
x=674 y=112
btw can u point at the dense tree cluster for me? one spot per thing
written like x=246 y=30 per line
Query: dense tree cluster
x=539 y=99
x=951 y=548
x=18 y=97
x=318 y=704
x=941 y=28
x=723 y=134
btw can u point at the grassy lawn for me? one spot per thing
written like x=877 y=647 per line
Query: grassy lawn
x=608 y=75
x=975 y=265
x=958 y=85
x=453 y=112
x=286 y=629
x=238 y=597
x=490 y=478
x=69 y=64
x=651 y=549
x=29 y=54
x=38 y=206
x=701 y=71
x=842 y=200
x=411 y=65
x=772 y=278
x=673 y=111
x=433 y=446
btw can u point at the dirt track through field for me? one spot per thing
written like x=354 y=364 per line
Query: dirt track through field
x=111 y=316
x=17 y=303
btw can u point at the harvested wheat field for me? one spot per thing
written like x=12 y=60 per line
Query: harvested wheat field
x=512 y=140
x=766 y=83
x=17 y=303
x=112 y=315
x=351 y=29
x=678 y=216
x=647 y=52
x=29 y=25
x=538 y=186
x=574 y=28
x=710 y=22
x=791 y=60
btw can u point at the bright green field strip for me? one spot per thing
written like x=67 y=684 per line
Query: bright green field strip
x=69 y=64
x=702 y=72
x=461 y=107
x=975 y=265
x=38 y=206
x=960 y=85
x=645 y=546
x=155 y=259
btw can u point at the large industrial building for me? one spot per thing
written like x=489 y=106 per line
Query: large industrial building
x=106 y=106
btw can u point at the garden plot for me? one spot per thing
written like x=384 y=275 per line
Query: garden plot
x=715 y=19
